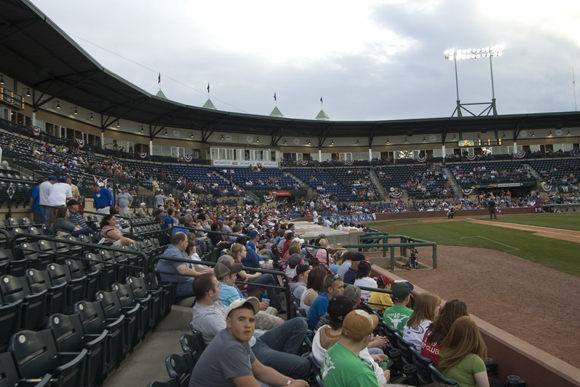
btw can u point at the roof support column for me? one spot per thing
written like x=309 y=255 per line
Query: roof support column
x=443 y=151
x=103 y=139
x=319 y=155
x=370 y=154
x=150 y=147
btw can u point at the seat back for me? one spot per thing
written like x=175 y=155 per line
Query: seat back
x=67 y=331
x=126 y=296
x=8 y=372
x=138 y=286
x=13 y=288
x=437 y=377
x=422 y=366
x=190 y=344
x=58 y=273
x=110 y=303
x=10 y=319
x=38 y=280
x=35 y=353
x=180 y=367
x=92 y=316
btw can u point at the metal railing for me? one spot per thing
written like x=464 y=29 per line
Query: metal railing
x=406 y=243
x=83 y=244
x=275 y=273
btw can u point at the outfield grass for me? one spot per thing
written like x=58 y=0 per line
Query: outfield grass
x=566 y=221
x=393 y=222
x=554 y=253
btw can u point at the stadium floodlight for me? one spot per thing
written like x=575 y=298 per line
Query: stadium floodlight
x=76 y=111
x=474 y=53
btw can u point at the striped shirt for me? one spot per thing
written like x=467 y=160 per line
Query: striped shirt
x=77 y=219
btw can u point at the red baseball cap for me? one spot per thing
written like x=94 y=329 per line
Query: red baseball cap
x=383 y=280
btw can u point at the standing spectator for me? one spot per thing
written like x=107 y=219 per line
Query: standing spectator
x=159 y=199
x=76 y=195
x=59 y=194
x=124 y=201
x=37 y=211
x=103 y=200
x=43 y=193
x=426 y=310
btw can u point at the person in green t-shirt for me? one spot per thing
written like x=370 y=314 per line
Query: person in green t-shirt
x=463 y=352
x=341 y=366
x=396 y=316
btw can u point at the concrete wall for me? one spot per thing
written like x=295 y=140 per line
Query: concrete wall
x=514 y=356
x=443 y=214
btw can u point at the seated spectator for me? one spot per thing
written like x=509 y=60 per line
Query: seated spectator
x=342 y=366
x=462 y=356
x=74 y=216
x=111 y=234
x=322 y=255
x=382 y=301
x=298 y=284
x=178 y=272
x=277 y=348
x=437 y=331
x=333 y=286
x=424 y=313
x=63 y=227
x=180 y=227
x=239 y=253
x=191 y=252
x=346 y=263
x=329 y=334
x=313 y=287
x=397 y=316
x=293 y=261
x=142 y=211
x=351 y=273
x=225 y=273
x=363 y=279
x=168 y=222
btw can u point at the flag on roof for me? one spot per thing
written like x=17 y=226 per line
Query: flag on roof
x=159 y=79
x=208 y=87
x=274 y=96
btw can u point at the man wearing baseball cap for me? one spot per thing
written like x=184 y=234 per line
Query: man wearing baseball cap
x=342 y=366
x=74 y=216
x=278 y=348
x=239 y=367
x=397 y=316
x=298 y=286
x=382 y=301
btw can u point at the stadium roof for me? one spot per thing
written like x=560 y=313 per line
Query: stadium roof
x=36 y=52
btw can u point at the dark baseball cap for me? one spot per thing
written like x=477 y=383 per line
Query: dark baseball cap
x=400 y=291
x=71 y=202
x=52 y=177
x=294 y=260
x=338 y=308
x=357 y=257
x=301 y=268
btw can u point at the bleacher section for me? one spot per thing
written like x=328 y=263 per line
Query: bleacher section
x=357 y=180
x=264 y=179
x=560 y=172
x=469 y=174
x=322 y=182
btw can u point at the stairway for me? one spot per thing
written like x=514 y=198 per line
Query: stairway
x=375 y=179
x=457 y=190
x=535 y=173
x=311 y=192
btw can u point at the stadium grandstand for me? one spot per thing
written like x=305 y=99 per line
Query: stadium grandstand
x=96 y=275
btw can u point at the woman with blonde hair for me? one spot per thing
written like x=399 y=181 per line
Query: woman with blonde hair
x=426 y=310
x=463 y=354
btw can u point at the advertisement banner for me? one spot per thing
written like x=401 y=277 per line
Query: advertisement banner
x=235 y=163
x=279 y=193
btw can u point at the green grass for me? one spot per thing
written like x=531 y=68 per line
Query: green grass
x=554 y=253
x=392 y=223
x=566 y=221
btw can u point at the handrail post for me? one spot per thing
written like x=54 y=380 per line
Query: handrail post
x=434 y=255
x=392 y=258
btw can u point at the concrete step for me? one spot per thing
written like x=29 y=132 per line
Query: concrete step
x=147 y=362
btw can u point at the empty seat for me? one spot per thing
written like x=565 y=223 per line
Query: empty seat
x=130 y=315
x=10 y=317
x=36 y=355
x=69 y=334
x=95 y=322
x=14 y=289
x=75 y=286
x=39 y=281
x=180 y=367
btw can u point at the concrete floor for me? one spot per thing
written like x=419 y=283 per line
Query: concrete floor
x=147 y=362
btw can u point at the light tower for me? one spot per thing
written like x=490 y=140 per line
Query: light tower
x=487 y=52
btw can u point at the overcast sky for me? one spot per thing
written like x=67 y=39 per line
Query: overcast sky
x=369 y=60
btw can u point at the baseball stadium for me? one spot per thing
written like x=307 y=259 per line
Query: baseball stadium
x=123 y=211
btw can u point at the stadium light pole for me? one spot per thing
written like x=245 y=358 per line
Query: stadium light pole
x=487 y=52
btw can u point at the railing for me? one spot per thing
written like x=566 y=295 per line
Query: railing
x=275 y=273
x=404 y=245
x=83 y=244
